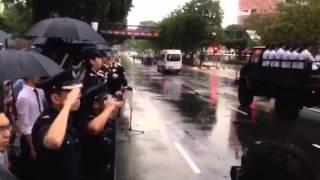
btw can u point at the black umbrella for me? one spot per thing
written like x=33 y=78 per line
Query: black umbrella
x=103 y=47
x=65 y=28
x=19 y=64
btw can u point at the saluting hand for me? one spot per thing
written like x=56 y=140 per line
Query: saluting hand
x=112 y=102
x=73 y=96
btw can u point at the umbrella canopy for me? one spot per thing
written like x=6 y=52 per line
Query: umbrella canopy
x=103 y=47
x=19 y=64
x=66 y=28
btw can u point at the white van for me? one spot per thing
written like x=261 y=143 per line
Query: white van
x=170 y=61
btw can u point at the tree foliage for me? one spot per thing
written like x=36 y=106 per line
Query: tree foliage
x=235 y=37
x=260 y=24
x=195 y=25
x=102 y=11
x=297 y=23
x=141 y=46
x=16 y=18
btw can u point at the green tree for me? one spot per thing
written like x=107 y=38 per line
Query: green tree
x=88 y=10
x=195 y=25
x=211 y=14
x=16 y=18
x=235 y=37
x=260 y=24
x=296 y=23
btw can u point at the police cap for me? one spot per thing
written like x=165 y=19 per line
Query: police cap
x=91 y=52
x=61 y=82
x=96 y=93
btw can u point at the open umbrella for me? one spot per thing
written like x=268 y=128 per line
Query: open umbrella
x=18 y=64
x=66 y=28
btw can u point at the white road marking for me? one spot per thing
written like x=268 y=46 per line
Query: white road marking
x=316 y=145
x=185 y=155
x=239 y=111
x=313 y=109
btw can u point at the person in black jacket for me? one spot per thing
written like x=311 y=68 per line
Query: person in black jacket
x=54 y=136
x=116 y=79
x=95 y=136
x=93 y=63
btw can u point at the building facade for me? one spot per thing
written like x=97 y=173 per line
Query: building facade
x=264 y=7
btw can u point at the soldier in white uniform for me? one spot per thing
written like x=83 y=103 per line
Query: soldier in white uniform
x=266 y=53
x=294 y=54
x=317 y=59
x=272 y=56
x=286 y=57
x=306 y=55
x=280 y=52
x=266 y=56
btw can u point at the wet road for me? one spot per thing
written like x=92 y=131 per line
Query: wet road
x=195 y=129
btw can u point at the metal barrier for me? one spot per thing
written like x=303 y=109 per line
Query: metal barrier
x=285 y=64
x=291 y=64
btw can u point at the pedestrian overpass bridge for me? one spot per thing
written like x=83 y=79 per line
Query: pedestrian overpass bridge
x=116 y=35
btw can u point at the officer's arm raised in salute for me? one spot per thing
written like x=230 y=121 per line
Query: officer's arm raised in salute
x=57 y=131
x=98 y=123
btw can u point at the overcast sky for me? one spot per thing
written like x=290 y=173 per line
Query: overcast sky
x=156 y=10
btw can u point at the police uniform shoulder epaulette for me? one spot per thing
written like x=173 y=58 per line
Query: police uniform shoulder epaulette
x=45 y=117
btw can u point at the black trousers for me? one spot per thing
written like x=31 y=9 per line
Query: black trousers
x=99 y=173
x=28 y=165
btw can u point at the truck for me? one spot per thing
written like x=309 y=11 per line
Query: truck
x=294 y=84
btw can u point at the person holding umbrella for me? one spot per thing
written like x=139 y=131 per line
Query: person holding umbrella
x=93 y=63
x=29 y=105
x=116 y=80
x=106 y=68
x=19 y=64
x=54 y=136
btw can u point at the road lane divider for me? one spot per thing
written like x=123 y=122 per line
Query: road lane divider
x=186 y=156
x=238 y=110
x=316 y=146
x=313 y=109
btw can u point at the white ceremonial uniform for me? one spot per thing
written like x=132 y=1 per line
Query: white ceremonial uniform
x=294 y=55
x=266 y=54
x=286 y=57
x=317 y=63
x=272 y=56
x=265 y=58
x=280 y=53
x=305 y=55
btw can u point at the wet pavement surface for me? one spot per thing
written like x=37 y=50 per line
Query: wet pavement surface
x=194 y=128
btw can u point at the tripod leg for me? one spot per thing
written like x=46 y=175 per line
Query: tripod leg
x=130 y=119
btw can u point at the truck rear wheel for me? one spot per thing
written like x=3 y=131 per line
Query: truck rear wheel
x=245 y=97
x=286 y=109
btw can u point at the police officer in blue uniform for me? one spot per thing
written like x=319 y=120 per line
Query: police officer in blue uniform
x=54 y=136
x=93 y=63
x=95 y=135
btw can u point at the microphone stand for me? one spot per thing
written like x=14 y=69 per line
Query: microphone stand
x=130 y=129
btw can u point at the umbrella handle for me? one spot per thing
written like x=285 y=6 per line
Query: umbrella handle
x=64 y=60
